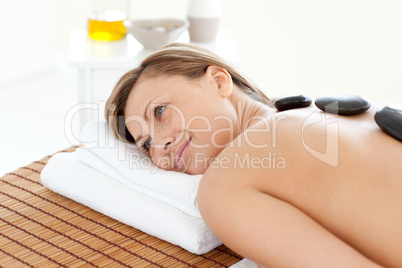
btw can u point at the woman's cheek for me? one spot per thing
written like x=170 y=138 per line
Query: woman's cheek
x=163 y=162
x=222 y=135
x=175 y=120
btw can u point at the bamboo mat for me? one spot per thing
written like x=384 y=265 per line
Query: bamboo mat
x=40 y=228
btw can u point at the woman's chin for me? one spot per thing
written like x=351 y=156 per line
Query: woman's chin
x=193 y=170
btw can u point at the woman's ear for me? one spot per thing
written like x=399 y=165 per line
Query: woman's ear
x=222 y=80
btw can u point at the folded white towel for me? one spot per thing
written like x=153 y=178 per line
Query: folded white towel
x=137 y=197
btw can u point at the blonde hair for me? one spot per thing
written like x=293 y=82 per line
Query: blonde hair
x=175 y=59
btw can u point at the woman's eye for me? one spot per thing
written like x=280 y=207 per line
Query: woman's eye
x=147 y=145
x=159 y=111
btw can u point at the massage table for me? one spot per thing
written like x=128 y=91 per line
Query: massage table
x=40 y=228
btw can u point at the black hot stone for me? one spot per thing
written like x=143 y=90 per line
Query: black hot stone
x=342 y=104
x=292 y=102
x=390 y=121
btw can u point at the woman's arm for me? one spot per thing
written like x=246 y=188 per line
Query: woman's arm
x=270 y=231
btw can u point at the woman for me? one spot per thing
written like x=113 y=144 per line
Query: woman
x=299 y=188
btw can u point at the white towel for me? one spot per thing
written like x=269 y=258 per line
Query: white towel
x=94 y=178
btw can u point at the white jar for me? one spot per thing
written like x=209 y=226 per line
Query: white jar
x=204 y=17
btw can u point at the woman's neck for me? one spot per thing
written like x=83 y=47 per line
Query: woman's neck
x=249 y=111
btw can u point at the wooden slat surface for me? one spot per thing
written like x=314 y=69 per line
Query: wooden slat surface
x=40 y=228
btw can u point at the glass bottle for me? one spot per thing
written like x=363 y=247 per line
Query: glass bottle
x=105 y=19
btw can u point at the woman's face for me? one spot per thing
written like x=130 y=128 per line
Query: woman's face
x=182 y=124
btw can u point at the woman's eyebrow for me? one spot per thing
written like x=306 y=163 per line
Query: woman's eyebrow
x=146 y=108
x=146 y=115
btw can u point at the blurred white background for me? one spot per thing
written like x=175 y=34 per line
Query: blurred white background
x=312 y=47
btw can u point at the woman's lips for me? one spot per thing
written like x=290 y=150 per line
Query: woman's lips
x=180 y=154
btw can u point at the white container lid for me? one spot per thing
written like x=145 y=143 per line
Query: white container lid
x=204 y=8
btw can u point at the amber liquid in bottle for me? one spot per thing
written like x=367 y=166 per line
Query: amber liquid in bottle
x=108 y=27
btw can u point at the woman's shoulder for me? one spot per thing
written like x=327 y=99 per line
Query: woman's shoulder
x=295 y=132
x=297 y=119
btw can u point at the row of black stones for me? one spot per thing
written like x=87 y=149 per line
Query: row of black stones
x=387 y=118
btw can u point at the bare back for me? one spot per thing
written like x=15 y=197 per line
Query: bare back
x=342 y=171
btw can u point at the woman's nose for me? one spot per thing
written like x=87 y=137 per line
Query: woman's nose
x=166 y=147
x=163 y=145
x=164 y=138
